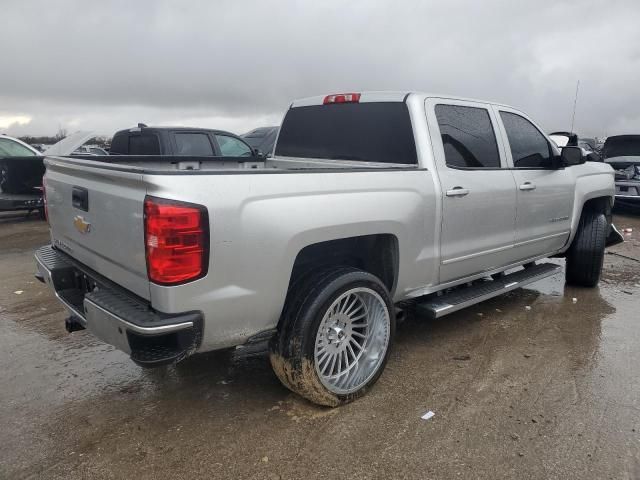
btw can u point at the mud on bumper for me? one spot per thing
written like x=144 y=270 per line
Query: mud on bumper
x=116 y=316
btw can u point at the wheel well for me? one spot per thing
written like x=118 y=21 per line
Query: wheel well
x=376 y=254
x=600 y=205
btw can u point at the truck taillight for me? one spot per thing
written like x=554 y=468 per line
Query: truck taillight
x=342 y=98
x=176 y=238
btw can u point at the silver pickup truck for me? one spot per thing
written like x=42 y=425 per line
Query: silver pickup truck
x=372 y=204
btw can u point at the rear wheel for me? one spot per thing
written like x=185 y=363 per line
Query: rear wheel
x=586 y=254
x=334 y=336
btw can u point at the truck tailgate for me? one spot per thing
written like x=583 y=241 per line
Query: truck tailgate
x=96 y=216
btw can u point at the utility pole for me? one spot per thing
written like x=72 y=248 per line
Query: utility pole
x=575 y=102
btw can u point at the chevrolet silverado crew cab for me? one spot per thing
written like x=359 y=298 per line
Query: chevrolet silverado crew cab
x=373 y=203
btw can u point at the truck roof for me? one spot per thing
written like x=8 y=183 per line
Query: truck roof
x=387 y=96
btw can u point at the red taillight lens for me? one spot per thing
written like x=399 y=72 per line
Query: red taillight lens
x=342 y=98
x=176 y=241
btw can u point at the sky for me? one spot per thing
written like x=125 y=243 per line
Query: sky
x=237 y=65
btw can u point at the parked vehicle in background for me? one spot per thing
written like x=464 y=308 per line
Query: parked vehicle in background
x=263 y=139
x=179 y=141
x=21 y=170
x=588 y=143
x=564 y=139
x=622 y=152
x=569 y=139
x=90 y=150
x=373 y=203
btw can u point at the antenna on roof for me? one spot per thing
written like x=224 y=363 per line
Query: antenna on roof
x=575 y=102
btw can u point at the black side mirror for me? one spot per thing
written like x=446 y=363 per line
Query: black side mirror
x=258 y=154
x=570 y=156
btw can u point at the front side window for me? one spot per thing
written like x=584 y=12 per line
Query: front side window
x=468 y=137
x=193 y=144
x=232 y=147
x=529 y=148
x=9 y=148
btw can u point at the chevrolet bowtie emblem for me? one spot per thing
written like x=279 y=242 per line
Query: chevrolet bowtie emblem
x=81 y=224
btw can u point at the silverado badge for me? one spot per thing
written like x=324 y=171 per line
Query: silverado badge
x=81 y=224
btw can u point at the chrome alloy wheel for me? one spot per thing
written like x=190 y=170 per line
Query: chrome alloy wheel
x=352 y=340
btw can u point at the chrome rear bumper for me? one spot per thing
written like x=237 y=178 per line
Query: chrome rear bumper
x=116 y=316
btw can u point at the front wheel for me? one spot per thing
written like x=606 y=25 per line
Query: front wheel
x=586 y=254
x=334 y=336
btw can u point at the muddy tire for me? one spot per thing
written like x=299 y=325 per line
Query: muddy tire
x=334 y=336
x=586 y=254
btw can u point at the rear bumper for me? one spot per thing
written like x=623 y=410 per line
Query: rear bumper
x=115 y=315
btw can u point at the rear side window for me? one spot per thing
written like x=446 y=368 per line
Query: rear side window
x=368 y=132
x=193 y=144
x=529 y=148
x=144 y=145
x=468 y=137
x=232 y=147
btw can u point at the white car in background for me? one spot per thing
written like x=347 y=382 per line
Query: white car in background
x=13 y=147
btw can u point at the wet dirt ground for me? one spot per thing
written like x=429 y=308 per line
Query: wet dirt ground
x=547 y=392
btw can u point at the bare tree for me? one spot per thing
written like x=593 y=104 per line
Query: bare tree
x=62 y=133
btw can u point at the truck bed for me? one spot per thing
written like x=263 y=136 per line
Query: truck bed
x=260 y=218
x=151 y=164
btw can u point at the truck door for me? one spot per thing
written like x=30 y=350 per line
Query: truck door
x=545 y=193
x=478 y=191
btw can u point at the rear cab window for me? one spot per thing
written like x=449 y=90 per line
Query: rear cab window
x=378 y=132
x=468 y=137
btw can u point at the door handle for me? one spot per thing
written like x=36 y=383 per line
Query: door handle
x=527 y=186
x=457 y=192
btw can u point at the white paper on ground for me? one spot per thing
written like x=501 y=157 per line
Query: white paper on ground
x=427 y=415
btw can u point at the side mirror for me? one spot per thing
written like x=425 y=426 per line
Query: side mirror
x=258 y=154
x=570 y=156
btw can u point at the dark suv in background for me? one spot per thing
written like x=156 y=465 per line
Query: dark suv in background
x=263 y=139
x=179 y=141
